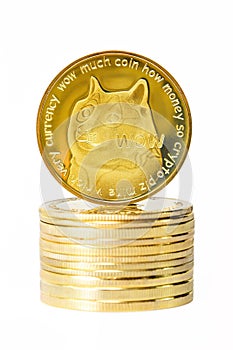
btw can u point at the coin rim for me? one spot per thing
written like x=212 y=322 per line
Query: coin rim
x=118 y=273
x=51 y=209
x=122 y=234
x=118 y=294
x=121 y=251
x=129 y=283
x=123 y=266
x=118 y=307
x=95 y=242
x=118 y=259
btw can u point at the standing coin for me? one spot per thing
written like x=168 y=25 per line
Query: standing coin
x=114 y=127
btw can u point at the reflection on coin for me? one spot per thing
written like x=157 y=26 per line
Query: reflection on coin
x=114 y=127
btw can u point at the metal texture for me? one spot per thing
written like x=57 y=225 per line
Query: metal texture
x=114 y=127
x=83 y=305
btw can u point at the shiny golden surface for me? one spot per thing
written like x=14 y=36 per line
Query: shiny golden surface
x=117 y=259
x=119 y=295
x=114 y=127
x=70 y=221
x=116 y=267
x=121 y=258
x=119 y=225
x=80 y=250
x=78 y=211
x=118 y=273
x=138 y=243
x=90 y=281
x=91 y=233
x=84 y=305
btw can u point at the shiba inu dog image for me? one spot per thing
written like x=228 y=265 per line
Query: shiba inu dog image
x=115 y=148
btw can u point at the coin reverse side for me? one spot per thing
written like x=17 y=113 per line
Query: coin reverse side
x=114 y=127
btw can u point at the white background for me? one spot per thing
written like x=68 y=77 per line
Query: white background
x=193 y=41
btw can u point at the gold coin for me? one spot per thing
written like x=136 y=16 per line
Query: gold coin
x=117 y=259
x=97 y=282
x=119 y=295
x=108 y=242
x=118 y=273
x=82 y=305
x=80 y=250
x=118 y=225
x=75 y=209
x=114 y=127
x=120 y=233
x=93 y=266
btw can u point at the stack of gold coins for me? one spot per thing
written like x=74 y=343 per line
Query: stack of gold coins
x=114 y=128
x=116 y=258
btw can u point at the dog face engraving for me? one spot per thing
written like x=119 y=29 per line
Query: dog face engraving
x=113 y=142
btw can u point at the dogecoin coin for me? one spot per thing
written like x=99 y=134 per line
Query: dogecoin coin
x=119 y=295
x=118 y=273
x=75 y=209
x=121 y=251
x=117 y=259
x=88 y=281
x=115 y=241
x=121 y=233
x=106 y=266
x=84 y=305
x=114 y=127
